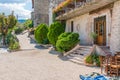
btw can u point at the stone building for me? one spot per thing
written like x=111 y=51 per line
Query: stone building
x=87 y=16
x=42 y=11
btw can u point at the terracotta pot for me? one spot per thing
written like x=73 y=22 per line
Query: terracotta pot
x=90 y=65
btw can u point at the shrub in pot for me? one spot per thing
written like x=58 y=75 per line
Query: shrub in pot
x=92 y=59
x=66 y=41
x=54 y=31
x=41 y=33
x=89 y=59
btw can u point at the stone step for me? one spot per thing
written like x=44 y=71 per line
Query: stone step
x=77 y=60
x=106 y=50
x=77 y=55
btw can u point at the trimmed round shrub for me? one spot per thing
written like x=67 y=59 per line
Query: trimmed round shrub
x=54 y=31
x=67 y=41
x=64 y=35
x=41 y=33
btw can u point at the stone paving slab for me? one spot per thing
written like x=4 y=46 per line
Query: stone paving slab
x=39 y=64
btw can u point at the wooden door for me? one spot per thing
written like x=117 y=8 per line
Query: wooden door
x=100 y=30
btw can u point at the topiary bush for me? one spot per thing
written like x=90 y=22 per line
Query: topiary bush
x=54 y=31
x=41 y=33
x=66 y=41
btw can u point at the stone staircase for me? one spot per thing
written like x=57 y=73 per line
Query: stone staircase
x=106 y=50
x=78 y=54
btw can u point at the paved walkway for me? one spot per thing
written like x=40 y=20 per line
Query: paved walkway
x=39 y=64
x=25 y=42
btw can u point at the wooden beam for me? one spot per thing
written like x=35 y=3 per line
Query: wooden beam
x=109 y=6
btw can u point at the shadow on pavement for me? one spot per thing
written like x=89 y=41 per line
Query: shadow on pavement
x=40 y=47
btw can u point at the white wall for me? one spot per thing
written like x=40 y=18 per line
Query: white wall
x=84 y=25
x=115 y=36
x=81 y=26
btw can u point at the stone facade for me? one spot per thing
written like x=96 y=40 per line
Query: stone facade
x=52 y=4
x=84 y=25
x=84 y=22
x=80 y=26
x=115 y=34
x=42 y=11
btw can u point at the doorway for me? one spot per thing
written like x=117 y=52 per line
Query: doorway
x=100 y=30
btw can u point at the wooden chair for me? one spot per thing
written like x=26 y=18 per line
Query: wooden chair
x=115 y=65
x=104 y=63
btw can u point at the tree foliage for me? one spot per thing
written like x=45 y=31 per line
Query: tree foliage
x=41 y=33
x=54 y=31
x=28 y=23
x=6 y=23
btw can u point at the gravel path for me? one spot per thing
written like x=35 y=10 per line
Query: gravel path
x=39 y=64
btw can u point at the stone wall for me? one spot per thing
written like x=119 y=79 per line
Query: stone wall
x=84 y=25
x=115 y=34
x=81 y=26
x=41 y=12
x=52 y=5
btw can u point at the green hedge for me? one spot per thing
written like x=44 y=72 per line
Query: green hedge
x=54 y=31
x=41 y=34
x=67 y=41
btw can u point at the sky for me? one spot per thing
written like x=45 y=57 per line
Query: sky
x=22 y=8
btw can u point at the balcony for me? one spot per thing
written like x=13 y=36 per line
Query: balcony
x=79 y=7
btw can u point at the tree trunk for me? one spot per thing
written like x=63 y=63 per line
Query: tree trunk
x=4 y=41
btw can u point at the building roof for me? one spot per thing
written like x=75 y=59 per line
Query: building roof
x=61 y=5
x=86 y=8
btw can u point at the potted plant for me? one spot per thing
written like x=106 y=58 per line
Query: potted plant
x=93 y=36
x=92 y=60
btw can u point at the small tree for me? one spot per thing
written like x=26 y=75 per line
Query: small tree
x=6 y=23
x=54 y=31
x=28 y=23
x=41 y=33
